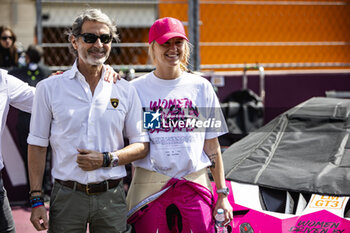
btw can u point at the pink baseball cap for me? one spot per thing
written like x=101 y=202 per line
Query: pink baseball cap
x=166 y=28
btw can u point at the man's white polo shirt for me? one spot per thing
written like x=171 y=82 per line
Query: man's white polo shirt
x=67 y=114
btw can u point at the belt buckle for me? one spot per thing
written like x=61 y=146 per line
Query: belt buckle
x=87 y=189
x=90 y=186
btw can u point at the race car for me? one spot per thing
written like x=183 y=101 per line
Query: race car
x=293 y=174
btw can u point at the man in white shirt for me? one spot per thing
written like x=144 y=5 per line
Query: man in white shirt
x=85 y=119
x=18 y=94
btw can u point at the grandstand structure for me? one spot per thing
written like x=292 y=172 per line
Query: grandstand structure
x=289 y=34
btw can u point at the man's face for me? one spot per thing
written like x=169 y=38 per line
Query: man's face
x=89 y=52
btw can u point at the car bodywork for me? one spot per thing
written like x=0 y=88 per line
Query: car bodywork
x=293 y=174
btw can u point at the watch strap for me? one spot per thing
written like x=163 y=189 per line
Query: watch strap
x=225 y=191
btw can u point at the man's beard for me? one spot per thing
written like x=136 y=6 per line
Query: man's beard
x=97 y=61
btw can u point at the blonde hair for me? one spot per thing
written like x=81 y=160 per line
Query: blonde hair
x=184 y=60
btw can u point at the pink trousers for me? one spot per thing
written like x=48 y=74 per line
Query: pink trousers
x=185 y=207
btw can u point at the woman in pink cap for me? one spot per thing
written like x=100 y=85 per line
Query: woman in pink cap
x=171 y=190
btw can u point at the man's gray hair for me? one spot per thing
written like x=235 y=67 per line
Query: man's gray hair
x=95 y=15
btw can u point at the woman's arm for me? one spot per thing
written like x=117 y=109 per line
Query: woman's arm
x=212 y=149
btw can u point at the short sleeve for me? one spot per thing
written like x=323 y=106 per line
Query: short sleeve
x=134 y=119
x=20 y=94
x=214 y=112
x=41 y=118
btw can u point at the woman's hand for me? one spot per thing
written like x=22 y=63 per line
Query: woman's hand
x=224 y=204
x=110 y=73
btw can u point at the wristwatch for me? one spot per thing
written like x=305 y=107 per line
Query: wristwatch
x=224 y=191
x=114 y=160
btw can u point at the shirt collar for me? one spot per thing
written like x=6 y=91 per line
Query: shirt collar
x=74 y=72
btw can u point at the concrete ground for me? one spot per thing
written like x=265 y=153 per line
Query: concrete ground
x=21 y=216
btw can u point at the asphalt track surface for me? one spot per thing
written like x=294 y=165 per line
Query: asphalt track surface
x=21 y=216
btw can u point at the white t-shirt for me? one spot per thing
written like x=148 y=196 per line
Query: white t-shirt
x=66 y=113
x=16 y=93
x=177 y=151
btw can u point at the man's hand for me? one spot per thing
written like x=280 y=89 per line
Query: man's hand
x=57 y=73
x=110 y=73
x=89 y=160
x=39 y=218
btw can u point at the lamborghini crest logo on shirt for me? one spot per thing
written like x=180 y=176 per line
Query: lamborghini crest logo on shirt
x=114 y=102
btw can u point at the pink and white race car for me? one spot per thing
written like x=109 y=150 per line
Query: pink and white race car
x=293 y=174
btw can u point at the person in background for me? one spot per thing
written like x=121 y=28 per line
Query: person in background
x=16 y=93
x=171 y=190
x=85 y=119
x=8 y=49
x=33 y=72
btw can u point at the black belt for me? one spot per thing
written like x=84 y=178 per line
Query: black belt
x=92 y=188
